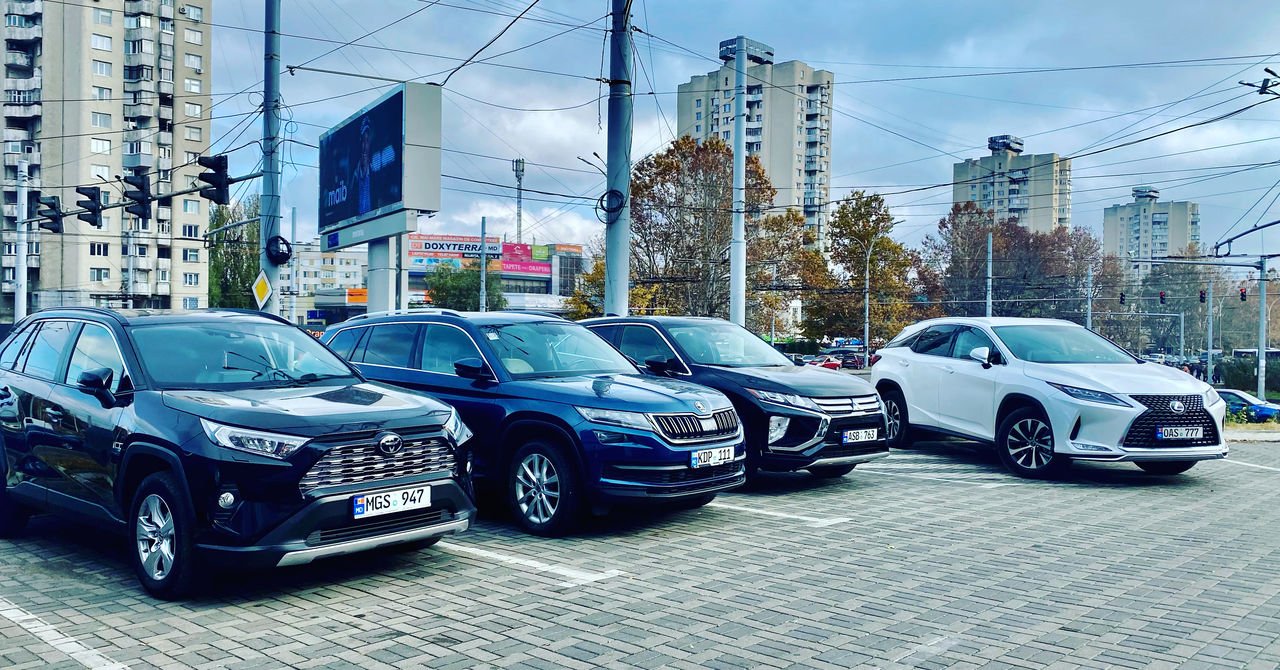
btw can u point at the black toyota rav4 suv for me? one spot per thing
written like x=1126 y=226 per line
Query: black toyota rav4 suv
x=222 y=435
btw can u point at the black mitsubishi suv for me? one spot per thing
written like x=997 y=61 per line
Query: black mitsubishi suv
x=795 y=417
x=232 y=437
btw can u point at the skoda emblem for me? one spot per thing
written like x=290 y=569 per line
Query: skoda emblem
x=700 y=407
x=1177 y=407
x=389 y=443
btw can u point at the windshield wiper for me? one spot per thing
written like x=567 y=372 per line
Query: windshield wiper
x=267 y=367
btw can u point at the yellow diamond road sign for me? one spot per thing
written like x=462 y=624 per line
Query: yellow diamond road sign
x=261 y=289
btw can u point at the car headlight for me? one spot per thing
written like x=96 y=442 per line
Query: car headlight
x=778 y=428
x=788 y=399
x=253 y=441
x=1211 y=397
x=1089 y=394
x=615 y=417
x=456 y=429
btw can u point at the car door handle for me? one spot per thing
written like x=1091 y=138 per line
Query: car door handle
x=904 y=364
x=53 y=415
x=950 y=371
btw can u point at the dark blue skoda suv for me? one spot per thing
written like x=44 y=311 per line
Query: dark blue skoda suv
x=563 y=422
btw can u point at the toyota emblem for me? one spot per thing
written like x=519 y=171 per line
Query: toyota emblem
x=390 y=443
x=1177 y=407
x=700 y=407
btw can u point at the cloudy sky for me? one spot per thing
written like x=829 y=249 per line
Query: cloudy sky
x=887 y=135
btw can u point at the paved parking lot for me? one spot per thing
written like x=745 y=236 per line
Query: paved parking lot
x=932 y=558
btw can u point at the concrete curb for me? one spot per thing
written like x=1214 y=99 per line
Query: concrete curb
x=1252 y=435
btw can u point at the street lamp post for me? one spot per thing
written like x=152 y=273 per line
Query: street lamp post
x=866 y=292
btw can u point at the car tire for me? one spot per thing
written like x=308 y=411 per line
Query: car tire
x=161 y=525
x=1024 y=443
x=1166 y=467
x=898 y=433
x=544 y=491
x=13 y=517
x=831 y=471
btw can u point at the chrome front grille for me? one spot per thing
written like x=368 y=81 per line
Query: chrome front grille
x=863 y=405
x=364 y=464
x=694 y=428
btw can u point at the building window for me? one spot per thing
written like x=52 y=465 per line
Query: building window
x=193 y=110
x=102 y=68
x=99 y=120
x=137 y=20
x=697 y=103
x=99 y=274
x=193 y=12
x=139 y=47
x=102 y=17
x=100 y=42
x=191 y=255
x=189 y=157
x=162 y=275
x=192 y=36
x=166 y=25
x=193 y=61
x=166 y=73
x=190 y=230
x=100 y=93
x=697 y=116
x=166 y=51
x=190 y=303
x=191 y=85
x=194 y=133
x=697 y=129
x=98 y=249
x=98 y=145
x=191 y=279
x=100 y=171
x=190 y=206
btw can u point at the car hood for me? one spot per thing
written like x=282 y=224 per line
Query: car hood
x=314 y=410
x=806 y=380
x=634 y=393
x=1124 y=378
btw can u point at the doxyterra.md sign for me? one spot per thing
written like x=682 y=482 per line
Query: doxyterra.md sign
x=380 y=167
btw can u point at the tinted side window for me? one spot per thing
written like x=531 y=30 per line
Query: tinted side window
x=968 y=339
x=11 y=350
x=95 y=348
x=442 y=346
x=641 y=342
x=345 y=341
x=391 y=345
x=609 y=333
x=47 y=349
x=935 y=341
x=903 y=341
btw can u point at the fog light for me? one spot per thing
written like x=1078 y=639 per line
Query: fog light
x=777 y=427
x=1084 y=446
x=226 y=500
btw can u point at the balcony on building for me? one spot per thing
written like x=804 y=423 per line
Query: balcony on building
x=145 y=86
x=755 y=97
x=24 y=7
x=164 y=213
x=10 y=210
x=139 y=110
x=162 y=188
x=165 y=112
x=166 y=10
x=164 y=87
x=32 y=83
x=141 y=6
x=19 y=59
x=166 y=39
x=31 y=157
x=162 y=288
x=164 y=138
x=23 y=33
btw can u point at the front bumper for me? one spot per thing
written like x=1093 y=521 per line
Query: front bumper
x=633 y=466
x=1110 y=433
x=324 y=526
x=821 y=442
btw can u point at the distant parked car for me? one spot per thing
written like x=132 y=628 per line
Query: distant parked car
x=852 y=361
x=1255 y=410
x=828 y=362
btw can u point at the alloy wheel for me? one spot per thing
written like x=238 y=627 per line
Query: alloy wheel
x=893 y=420
x=154 y=533
x=537 y=488
x=1030 y=443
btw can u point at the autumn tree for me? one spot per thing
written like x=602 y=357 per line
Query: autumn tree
x=587 y=299
x=454 y=288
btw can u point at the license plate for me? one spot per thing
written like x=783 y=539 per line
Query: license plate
x=387 y=502
x=1179 y=433
x=709 y=457
x=864 y=435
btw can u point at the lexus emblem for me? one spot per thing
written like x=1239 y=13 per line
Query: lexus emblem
x=1177 y=407
x=700 y=407
x=390 y=443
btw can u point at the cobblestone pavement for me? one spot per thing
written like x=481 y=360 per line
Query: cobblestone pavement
x=932 y=558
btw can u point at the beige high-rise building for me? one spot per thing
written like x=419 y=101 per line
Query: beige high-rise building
x=93 y=91
x=1146 y=228
x=1035 y=189
x=788 y=124
x=312 y=269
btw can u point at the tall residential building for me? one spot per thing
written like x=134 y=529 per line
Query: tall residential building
x=1147 y=229
x=788 y=124
x=96 y=90
x=312 y=269
x=1034 y=189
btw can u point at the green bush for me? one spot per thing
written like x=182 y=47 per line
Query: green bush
x=1242 y=373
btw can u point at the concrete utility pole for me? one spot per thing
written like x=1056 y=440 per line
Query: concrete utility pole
x=1088 y=297
x=518 y=166
x=1208 y=370
x=293 y=265
x=484 y=267
x=20 y=259
x=1262 y=328
x=738 y=243
x=270 y=211
x=989 y=263
x=617 y=197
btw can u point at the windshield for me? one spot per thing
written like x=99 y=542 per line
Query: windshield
x=1060 y=344
x=726 y=345
x=242 y=354
x=553 y=349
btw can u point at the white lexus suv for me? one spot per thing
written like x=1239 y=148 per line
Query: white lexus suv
x=1045 y=392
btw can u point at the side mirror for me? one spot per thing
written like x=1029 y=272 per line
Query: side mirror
x=982 y=355
x=658 y=364
x=97 y=383
x=473 y=368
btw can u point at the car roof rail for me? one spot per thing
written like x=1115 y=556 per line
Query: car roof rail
x=535 y=311
x=114 y=315
x=249 y=312
x=412 y=310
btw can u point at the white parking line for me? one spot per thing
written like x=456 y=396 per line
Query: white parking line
x=809 y=521
x=1251 y=465
x=984 y=485
x=576 y=577
x=52 y=637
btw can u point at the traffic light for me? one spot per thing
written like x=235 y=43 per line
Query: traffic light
x=1122 y=297
x=92 y=203
x=140 y=195
x=219 y=189
x=1242 y=295
x=51 y=209
x=1202 y=296
x=1162 y=297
